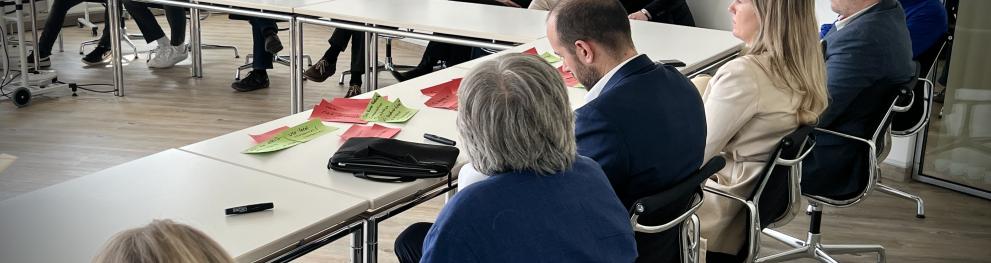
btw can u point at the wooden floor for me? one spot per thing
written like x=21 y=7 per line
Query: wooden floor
x=64 y=137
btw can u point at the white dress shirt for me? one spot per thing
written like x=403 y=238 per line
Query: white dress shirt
x=594 y=92
x=846 y=20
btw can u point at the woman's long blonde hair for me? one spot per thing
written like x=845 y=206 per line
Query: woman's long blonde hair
x=162 y=241
x=787 y=36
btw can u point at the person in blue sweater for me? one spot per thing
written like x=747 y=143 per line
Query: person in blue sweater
x=542 y=201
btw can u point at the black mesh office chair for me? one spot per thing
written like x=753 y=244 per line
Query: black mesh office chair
x=769 y=205
x=672 y=208
x=812 y=247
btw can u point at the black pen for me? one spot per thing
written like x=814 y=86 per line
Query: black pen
x=438 y=139
x=248 y=209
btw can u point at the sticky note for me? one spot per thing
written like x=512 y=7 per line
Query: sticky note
x=531 y=51
x=291 y=137
x=550 y=58
x=381 y=109
x=268 y=135
x=373 y=130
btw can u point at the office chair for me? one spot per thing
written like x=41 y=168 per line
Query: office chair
x=675 y=207
x=910 y=122
x=770 y=204
x=812 y=247
x=123 y=35
x=389 y=64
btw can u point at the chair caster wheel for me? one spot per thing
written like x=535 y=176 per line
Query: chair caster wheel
x=22 y=97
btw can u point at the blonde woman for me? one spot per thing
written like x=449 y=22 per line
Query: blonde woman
x=162 y=241
x=755 y=100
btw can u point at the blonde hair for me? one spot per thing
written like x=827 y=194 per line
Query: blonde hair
x=787 y=36
x=162 y=241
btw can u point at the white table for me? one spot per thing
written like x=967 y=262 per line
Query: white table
x=284 y=6
x=307 y=162
x=69 y=222
x=458 y=23
x=697 y=47
x=507 y=24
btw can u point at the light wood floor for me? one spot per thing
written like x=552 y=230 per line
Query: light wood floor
x=64 y=137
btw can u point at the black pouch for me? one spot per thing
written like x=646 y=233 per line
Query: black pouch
x=391 y=160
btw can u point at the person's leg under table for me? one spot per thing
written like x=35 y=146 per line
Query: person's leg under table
x=53 y=25
x=409 y=243
x=262 y=30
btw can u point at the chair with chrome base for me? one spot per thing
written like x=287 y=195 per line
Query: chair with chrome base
x=770 y=203
x=812 y=246
x=389 y=64
x=673 y=209
x=913 y=120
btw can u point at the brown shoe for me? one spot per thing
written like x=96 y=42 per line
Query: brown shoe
x=320 y=71
x=353 y=90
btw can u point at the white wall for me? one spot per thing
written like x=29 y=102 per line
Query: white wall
x=714 y=14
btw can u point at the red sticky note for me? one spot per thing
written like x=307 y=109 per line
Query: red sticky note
x=340 y=110
x=444 y=100
x=268 y=135
x=373 y=130
x=531 y=51
x=569 y=78
x=443 y=87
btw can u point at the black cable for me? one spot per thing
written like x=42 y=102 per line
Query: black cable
x=97 y=91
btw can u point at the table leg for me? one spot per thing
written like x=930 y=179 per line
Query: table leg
x=371 y=240
x=113 y=6
x=373 y=71
x=370 y=63
x=357 y=243
x=295 y=65
x=196 y=42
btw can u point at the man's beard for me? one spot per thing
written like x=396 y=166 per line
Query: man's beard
x=586 y=75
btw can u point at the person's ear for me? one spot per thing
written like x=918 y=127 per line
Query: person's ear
x=584 y=52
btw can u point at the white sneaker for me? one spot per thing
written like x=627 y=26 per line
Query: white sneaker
x=168 y=56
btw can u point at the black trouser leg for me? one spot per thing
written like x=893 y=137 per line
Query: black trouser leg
x=177 y=23
x=145 y=19
x=409 y=243
x=53 y=25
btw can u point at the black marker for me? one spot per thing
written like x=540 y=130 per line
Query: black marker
x=438 y=139
x=248 y=209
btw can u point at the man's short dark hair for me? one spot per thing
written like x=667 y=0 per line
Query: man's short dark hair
x=600 y=21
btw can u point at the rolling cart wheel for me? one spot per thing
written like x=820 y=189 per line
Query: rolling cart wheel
x=22 y=97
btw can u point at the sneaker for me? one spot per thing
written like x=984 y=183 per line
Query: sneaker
x=353 y=90
x=99 y=56
x=45 y=62
x=273 y=44
x=168 y=56
x=320 y=71
x=256 y=80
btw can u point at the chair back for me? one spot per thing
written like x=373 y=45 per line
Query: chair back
x=900 y=101
x=917 y=117
x=778 y=188
x=667 y=213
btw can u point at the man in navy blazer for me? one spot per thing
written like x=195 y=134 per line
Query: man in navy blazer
x=642 y=122
x=868 y=53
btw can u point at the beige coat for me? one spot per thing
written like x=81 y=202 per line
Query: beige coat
x=545 y=5
x=747 y=114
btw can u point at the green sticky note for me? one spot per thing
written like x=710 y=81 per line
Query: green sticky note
x=307 y=131
x=375 y=107
x=550 y=58
x=276 y=143
x=291 y=137
x=382 y=110
x=400 y=113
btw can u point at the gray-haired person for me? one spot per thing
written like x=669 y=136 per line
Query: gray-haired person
x=543 y=201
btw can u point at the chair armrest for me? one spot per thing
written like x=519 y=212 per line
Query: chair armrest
x=637 y=227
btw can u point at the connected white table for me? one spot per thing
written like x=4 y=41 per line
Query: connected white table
x=697 y=47
x=69 y=222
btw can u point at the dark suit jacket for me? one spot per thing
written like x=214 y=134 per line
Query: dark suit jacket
x=865 y=61
x=647 y=130
x=663 y=11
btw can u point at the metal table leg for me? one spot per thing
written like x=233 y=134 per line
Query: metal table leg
x=195 y=39
x=113 y=7
x=371 y=240
x=295 y=66
x=357 y=244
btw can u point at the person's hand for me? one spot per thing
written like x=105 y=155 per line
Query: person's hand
x=638 y=15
